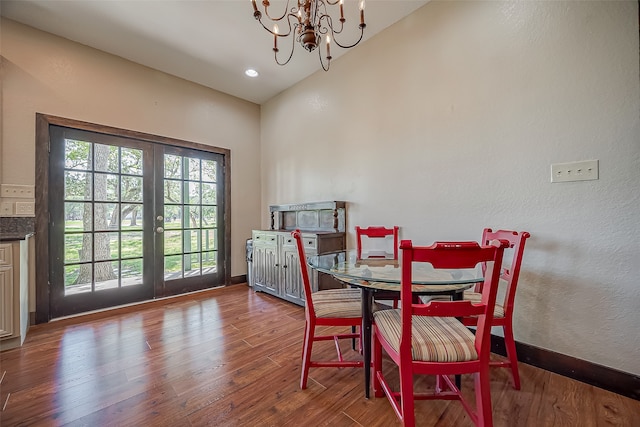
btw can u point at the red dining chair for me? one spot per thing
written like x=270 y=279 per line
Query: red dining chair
x=332 y=307
x=428 y=339
x=503 y=312
x=375 y=242
x=378 y=242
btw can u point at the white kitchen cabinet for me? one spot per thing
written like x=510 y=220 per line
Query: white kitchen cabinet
x=6 y=290
x=14 y=291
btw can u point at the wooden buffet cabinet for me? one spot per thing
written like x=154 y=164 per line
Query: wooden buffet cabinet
x=276 y=268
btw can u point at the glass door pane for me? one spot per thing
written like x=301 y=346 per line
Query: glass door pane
x=97 y=229
x=191 y=188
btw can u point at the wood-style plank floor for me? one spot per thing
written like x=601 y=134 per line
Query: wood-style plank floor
x=231 y=357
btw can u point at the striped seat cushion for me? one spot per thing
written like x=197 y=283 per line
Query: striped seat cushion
x=337 y=295
x=340 y=303
x=344 y=303
x=434 y=339
x=498 y=311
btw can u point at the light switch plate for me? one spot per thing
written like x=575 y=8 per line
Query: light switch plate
x=25 y=208
x=17 y=191
x=585 y=170
x=6 y=208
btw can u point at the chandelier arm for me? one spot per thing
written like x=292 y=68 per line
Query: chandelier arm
x=291 y=15
x=275 y=52
x=348 y=46
x=325 y=68
x=286 y=11
x=328 y=28
x=329 y=24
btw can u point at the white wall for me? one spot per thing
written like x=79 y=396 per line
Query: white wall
x=48 y=74
x=448 y=122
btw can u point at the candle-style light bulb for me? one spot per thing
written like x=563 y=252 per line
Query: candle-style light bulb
x=342 y=10
x=362 y=12
x=328 y=46
x=275 y=37
x=255 y=7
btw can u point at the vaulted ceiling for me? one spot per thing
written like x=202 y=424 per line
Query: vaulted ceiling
x=210 y=42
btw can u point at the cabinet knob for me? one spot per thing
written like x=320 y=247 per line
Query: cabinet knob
x=284 y=266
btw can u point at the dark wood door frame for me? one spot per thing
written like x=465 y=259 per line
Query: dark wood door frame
x=43 y=121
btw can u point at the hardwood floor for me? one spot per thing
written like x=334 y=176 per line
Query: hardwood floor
x=231 y=357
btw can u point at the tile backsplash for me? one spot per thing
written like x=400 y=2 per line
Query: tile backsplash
x=16 y=227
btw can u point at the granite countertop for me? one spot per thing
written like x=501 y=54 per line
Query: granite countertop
x=16 y=228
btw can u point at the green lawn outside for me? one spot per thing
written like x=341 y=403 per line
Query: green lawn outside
x=131 y=246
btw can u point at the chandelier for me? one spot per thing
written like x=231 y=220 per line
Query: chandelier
x=307 y=23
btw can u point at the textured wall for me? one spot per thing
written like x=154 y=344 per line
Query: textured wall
x=448 y=122
x=47 y=74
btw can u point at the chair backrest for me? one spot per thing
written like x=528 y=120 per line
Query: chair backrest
x=378 y=240
x=304 y=271
x=452 y=255
x=511 y=274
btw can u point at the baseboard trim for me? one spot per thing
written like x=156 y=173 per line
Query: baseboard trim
x=236 y=280
x=623 y=383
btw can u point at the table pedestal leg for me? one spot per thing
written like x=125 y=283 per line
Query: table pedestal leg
x=458 y=296
x=367 y=320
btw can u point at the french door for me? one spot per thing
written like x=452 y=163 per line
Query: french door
x=130 y=220
x=188 y=220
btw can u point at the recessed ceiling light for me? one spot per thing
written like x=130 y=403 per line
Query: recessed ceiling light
x=251 y=72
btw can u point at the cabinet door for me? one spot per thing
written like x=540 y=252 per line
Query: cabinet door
x=265 y=267
x=291 y=276
x=6 y=301
x=259 y=266
x=271 y=269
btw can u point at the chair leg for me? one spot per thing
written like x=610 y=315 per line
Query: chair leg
x=510 y=344
x=406 y=395
x=377 y=367
x=306 y=326
x=439 y=384
x=353 y=340
x=483 y=398
x=306 y=353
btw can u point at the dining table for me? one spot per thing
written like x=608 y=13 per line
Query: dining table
x=380 y=279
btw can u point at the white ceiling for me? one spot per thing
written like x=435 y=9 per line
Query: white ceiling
x=210 y=42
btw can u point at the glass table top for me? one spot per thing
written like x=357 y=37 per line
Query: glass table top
x=345 y=266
